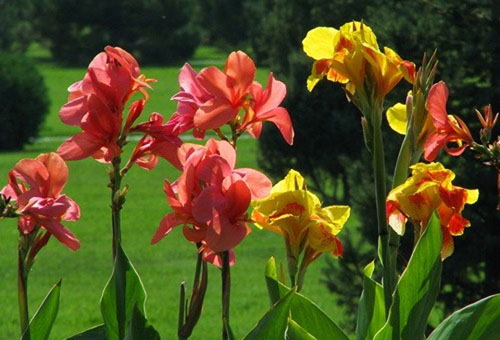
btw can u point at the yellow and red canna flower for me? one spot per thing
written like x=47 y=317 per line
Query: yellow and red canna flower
x=429 y=189
x=351 y=56
x=296 y=213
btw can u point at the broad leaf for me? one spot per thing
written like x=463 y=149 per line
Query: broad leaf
x=140 y=329
x=41 y=323
x=371 y=308
x=123 y=291
x=295 y=332
x=303 y=311
x=95 y=333
x=477 y=321
x=417 y=289
x=274 y=323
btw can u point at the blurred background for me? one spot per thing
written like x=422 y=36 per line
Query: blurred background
x=45 y=46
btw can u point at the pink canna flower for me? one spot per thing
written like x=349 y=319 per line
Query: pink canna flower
x=212 y=98
x=211 y=198
x=36 y=186
x=96 y=104
x=264 y=106
x=447 y=128
x=159 y=140
x=191 y=96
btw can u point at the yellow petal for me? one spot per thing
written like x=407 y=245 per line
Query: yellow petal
x=472 y=196
x=292 y=181
x=335 y=216
x=360 y=33
x=319 y=42
x=312 y=81
x=396 y=116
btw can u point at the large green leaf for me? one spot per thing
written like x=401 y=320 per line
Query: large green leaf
x=41 y=323
x=417 y=289
x=371 y=308
x=140 y=329
x=274 y=323
x=295 y=332
x=303 y=311
x=123 y=291
x=95 y=333
x=477 y=321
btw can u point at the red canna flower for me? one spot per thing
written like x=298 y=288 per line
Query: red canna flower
x=447 y=128
x=159 y=140
x=36 y=186
x=211 y=198
x=212 y=98
x=97 y=102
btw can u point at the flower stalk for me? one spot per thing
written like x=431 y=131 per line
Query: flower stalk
x=226 y=292
x=22 y=291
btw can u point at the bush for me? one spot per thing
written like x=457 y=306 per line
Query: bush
x=24 y=101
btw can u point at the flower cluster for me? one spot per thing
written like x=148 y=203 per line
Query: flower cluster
x=214 y=98
x=351 y=56
x=36 y=186
x=211 y=197
x=428 y=189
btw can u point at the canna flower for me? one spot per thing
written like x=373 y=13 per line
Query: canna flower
x=447 y=128
x=430 y=189
x=36 y=186
x=97 y=102
x=296 y=213
x=159 y=140
x=213 y=98
x=211 y=197
x=351 y=56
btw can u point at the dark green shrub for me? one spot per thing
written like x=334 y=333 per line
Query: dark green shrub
x=23 y=101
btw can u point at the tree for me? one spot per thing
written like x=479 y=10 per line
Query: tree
x=155 y=31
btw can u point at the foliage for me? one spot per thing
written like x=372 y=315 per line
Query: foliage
x=17 y=30
x=223 y=23
x=24 y=101
x=76 y=31
x=464 y=33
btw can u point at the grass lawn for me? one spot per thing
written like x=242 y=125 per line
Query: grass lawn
x=162 y=267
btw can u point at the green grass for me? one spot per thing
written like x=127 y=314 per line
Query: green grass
x=162 y=267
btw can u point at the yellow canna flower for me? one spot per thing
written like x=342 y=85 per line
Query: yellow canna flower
x=296 y=213
x=351 y=56
x=429 y=189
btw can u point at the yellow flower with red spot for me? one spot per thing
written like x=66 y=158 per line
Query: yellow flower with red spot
x=351 y=56
x=297 y=214
x=430 y=189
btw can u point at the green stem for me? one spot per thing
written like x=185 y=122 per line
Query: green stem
x=380 y=196
x=22 y=291
x=116 y=203
x=117 y=200
x=226 y=287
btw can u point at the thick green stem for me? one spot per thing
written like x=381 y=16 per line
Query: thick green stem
x=380 y=196
x=116 y=203
x=226 y=287
x=117 y=200
x=22 y=286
